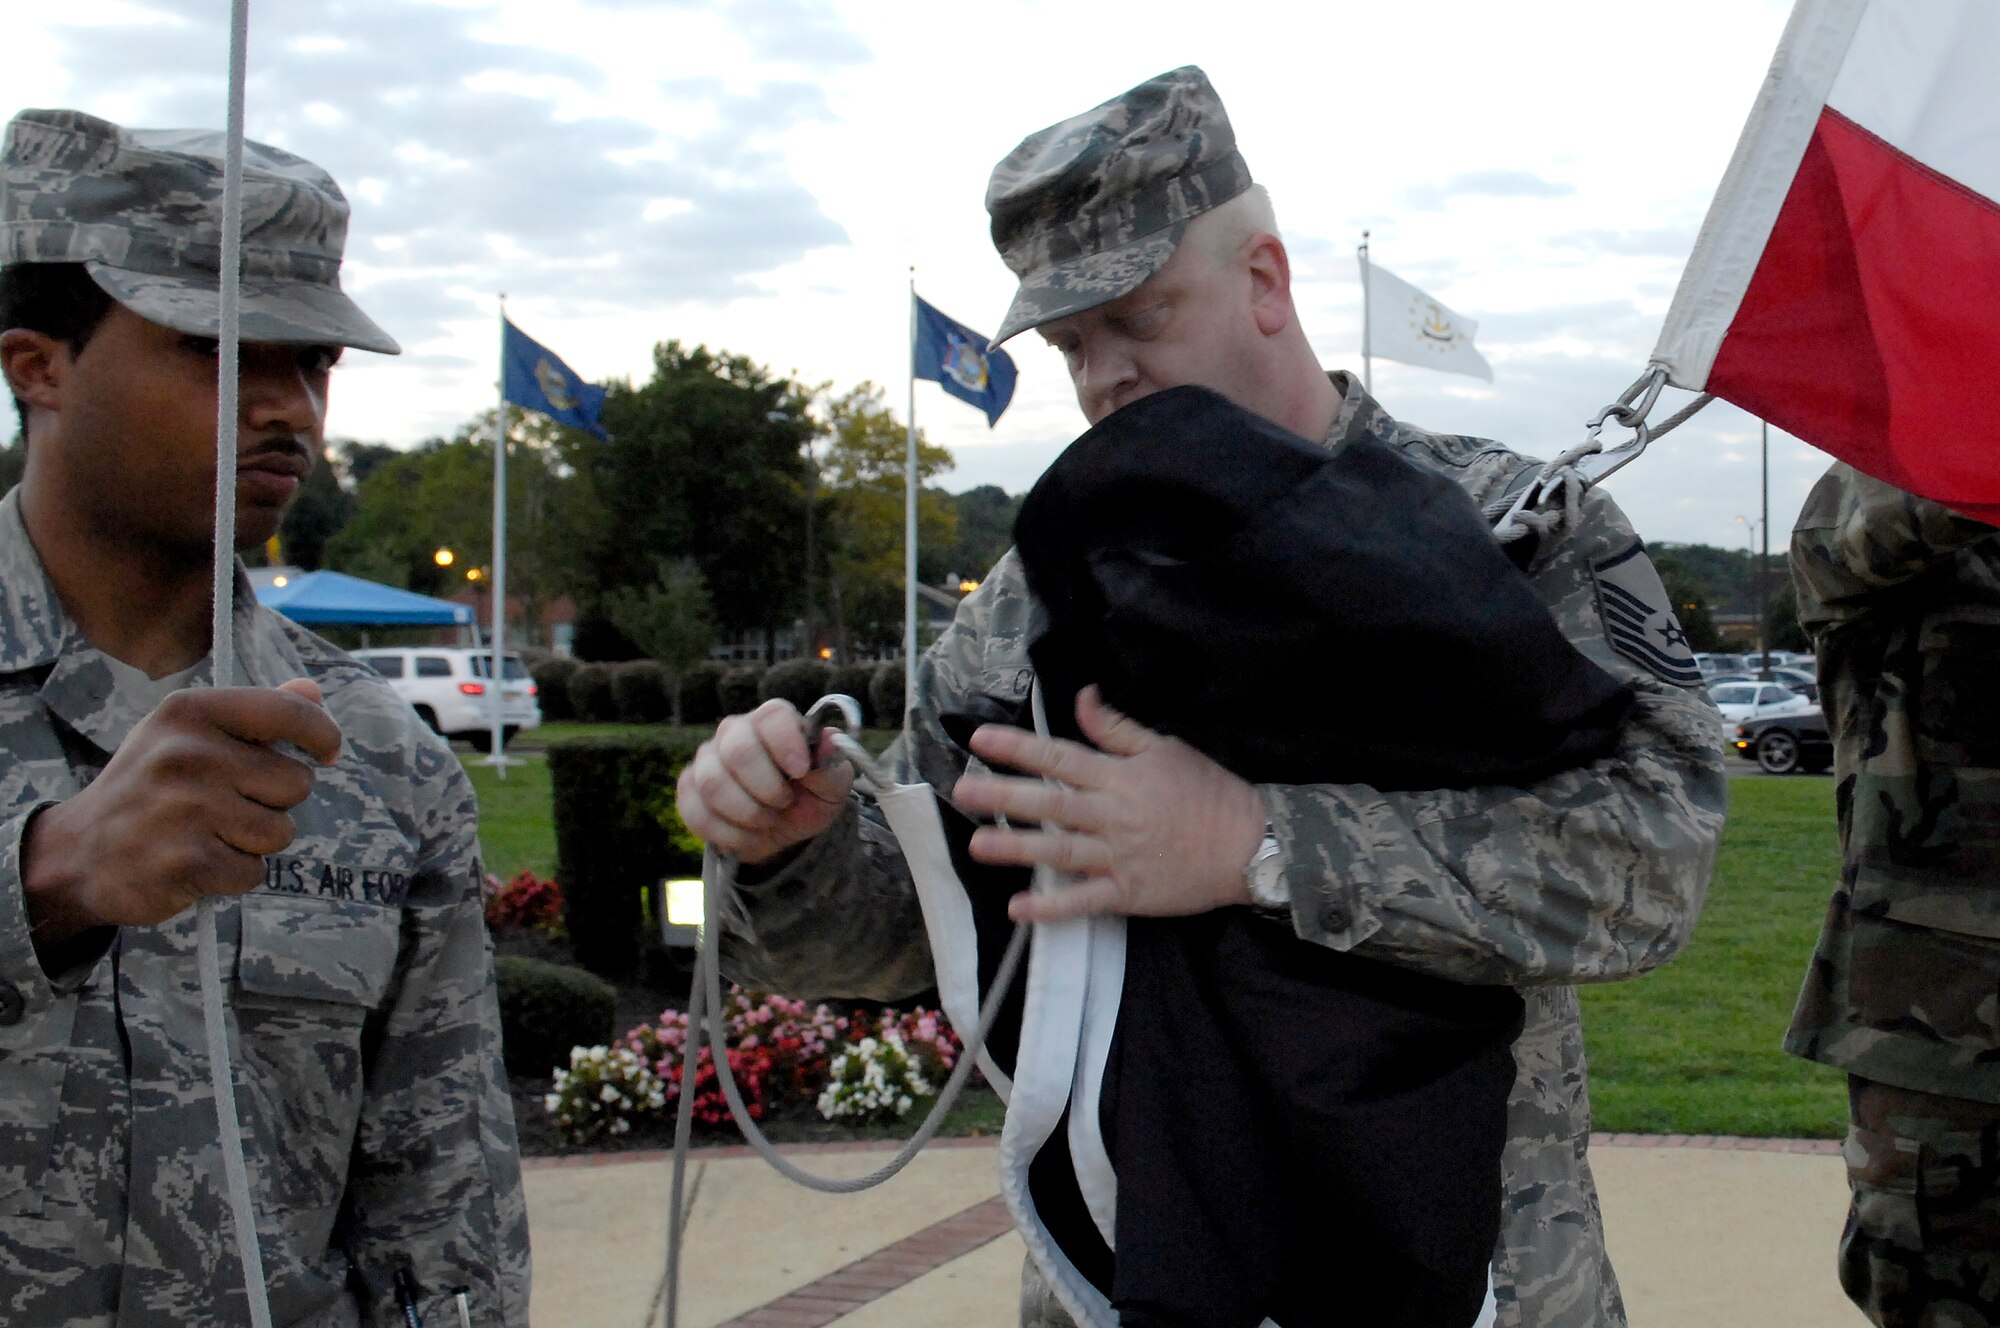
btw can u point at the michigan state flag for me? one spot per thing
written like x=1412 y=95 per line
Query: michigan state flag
x=955 y=357
x=533 y=378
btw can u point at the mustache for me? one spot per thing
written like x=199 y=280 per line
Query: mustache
x=283 y=445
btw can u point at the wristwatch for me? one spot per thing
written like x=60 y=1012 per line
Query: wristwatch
x=1264 y=874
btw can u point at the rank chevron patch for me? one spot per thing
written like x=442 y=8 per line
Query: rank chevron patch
x=1639 y=620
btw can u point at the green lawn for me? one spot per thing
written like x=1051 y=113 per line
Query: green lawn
x=561 y=729
x=515 y=830
x=1691 y=1049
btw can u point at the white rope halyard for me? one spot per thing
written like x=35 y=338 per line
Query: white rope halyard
x=705 y=1019
x=222 y=656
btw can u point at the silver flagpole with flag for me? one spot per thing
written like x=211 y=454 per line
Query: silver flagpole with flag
x=497 y=752
x=1367 y=358
x=910 y=520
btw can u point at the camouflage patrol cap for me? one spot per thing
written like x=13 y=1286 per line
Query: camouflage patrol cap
x=1087 y=209
x=141 y=209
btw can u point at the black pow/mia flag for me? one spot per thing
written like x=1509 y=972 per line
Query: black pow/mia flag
x=1284 y=1118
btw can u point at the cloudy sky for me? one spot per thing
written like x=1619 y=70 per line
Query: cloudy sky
x=761 y=176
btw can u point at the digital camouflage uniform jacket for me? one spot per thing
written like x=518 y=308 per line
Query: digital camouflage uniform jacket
x=360 y=985
x=1902 y=598
x=1594 y=874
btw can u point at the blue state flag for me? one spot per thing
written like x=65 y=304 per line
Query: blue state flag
x=533 y=378
x=955 y=357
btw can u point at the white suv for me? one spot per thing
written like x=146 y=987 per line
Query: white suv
x=448 y=687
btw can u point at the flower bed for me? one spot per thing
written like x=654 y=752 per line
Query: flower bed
x=788 y=1057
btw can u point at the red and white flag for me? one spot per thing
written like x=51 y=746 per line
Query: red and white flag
x=1846 y=283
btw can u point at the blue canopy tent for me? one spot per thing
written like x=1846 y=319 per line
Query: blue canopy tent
x=335 y=597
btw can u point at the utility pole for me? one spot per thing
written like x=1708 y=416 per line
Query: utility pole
x=1763 y=566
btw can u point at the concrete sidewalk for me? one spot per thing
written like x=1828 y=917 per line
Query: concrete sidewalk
x=1702 y=1232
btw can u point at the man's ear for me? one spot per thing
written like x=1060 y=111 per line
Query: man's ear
x=35 y=364
x=1270 y=283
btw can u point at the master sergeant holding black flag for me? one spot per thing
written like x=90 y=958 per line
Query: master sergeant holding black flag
x=1150 y=260
x=358 y=973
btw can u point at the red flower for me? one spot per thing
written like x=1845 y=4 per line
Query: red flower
x=525 y=901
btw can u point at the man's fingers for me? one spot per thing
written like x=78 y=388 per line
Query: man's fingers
x=1052 y=758
x=1059 y=849
x=1111 y=730
x=1031 y=800
x=270 y=778
x=744 y=761
x=731 y=803
x=263 y=715
x=781 y=730
x=305 y=687
x=830 y=783
x=1086 y=898
x=256 y=830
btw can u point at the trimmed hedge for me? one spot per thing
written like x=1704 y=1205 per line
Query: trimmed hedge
x=800 y=681
x=856 y=680
x=590 y=698
x=617 y=835
x=886 y=693
x=701 y=696
x=598 y=640
x=545 y=1009
x=738 y=689
x=639 y=692
x=551 y=677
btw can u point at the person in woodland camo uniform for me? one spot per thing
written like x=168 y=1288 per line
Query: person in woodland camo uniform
x=334 y=831
x=1902 y=598
x=1149 y=260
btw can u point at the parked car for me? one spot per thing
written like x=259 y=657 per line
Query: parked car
x=1740 y=701
x=1803 y=681
x=447 y=686
x=1781 y=744
x=1712 y=664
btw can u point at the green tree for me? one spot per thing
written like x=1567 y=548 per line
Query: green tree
x=439 y=495
x=705 y=461
x=1690 y=601
x=863 y=480
x=1782 y=627
x=985 y=530
x=436 y=496
x=672 y=619
x=322 y=507
x=357 y=461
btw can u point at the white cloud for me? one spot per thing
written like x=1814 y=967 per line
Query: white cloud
x=762 y=177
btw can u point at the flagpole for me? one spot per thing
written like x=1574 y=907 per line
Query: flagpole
x=496 y=752
x=1367 y=361
x=910 y=519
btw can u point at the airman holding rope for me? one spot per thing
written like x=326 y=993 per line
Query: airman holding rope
x=373 y=1107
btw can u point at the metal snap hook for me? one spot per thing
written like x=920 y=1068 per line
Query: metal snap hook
x=820 y=717
x=842 y=715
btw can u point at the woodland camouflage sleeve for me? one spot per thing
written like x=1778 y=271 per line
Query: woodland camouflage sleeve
x=842 y=919
x=1857 y=536
x=1592 y=874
